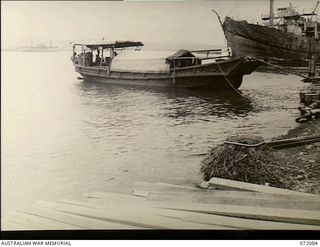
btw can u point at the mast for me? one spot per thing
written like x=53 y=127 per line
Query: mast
x=271 y=23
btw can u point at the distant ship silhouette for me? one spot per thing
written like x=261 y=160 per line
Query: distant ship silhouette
x=38 y=48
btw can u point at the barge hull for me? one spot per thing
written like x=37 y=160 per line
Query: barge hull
x=221 y=75
x=181 y=82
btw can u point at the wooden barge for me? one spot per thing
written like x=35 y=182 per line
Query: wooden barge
x=186 y=69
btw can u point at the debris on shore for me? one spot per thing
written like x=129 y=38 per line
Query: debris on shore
x=309 y=112
x=309 y=103
x=245 y=161
x=304 y=161
x=295 y=168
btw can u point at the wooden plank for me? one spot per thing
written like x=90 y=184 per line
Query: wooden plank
x=141 y=193
x=83 y=222
x=273 y=214
x=106 y=203
x=242 y=194
x=86 y=212
x=238 y=200
x=231 y=184
x=98 y=199
x=114 y=197
x=176 y=186
x=169 y=186
x=99 y=204
x=301 y=138
x=292 y=142
x=242 y=223
x=137 y=216
x=228 y=194
x=32 y=222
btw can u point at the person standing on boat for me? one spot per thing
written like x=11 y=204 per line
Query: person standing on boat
x=88 y=58
x=98 y=59
x=74 y=58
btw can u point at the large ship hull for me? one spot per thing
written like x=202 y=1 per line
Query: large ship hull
x=268 y=43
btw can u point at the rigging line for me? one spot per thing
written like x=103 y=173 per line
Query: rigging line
x=220 y=24
x=244 y=144
x=229 y=82
x=282 y=68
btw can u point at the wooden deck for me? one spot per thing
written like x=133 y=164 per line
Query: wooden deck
x=235 y=205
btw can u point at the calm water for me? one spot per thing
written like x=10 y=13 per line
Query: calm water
x=62 y=136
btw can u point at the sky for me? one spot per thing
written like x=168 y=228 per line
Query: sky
x=180 y=22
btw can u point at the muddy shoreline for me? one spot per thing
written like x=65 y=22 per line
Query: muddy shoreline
x=295 y=168
x=303 y=162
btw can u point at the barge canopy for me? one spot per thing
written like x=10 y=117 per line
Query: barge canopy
x=115 y=44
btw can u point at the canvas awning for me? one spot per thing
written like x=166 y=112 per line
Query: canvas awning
x=116 y=44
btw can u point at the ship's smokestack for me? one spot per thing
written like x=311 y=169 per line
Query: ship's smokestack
x=271 y=13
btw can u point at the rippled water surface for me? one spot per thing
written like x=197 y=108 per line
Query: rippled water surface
x=62 y=136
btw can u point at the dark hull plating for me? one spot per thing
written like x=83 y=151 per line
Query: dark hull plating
x=268 y=43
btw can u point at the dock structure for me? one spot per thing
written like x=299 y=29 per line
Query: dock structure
x=225 y=205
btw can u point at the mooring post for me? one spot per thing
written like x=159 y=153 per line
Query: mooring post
x=312 y=59
x=271 y=17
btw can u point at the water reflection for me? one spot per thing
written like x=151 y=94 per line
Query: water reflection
x=185 y=105
x=202 y=104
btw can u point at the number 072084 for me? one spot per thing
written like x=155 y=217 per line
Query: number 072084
x=310 y=243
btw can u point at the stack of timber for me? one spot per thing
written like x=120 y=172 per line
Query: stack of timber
x=293 y=142
x=225 y=205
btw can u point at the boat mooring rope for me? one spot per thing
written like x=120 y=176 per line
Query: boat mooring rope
x=244 y=144
x=282 y=68
x=229 y=82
